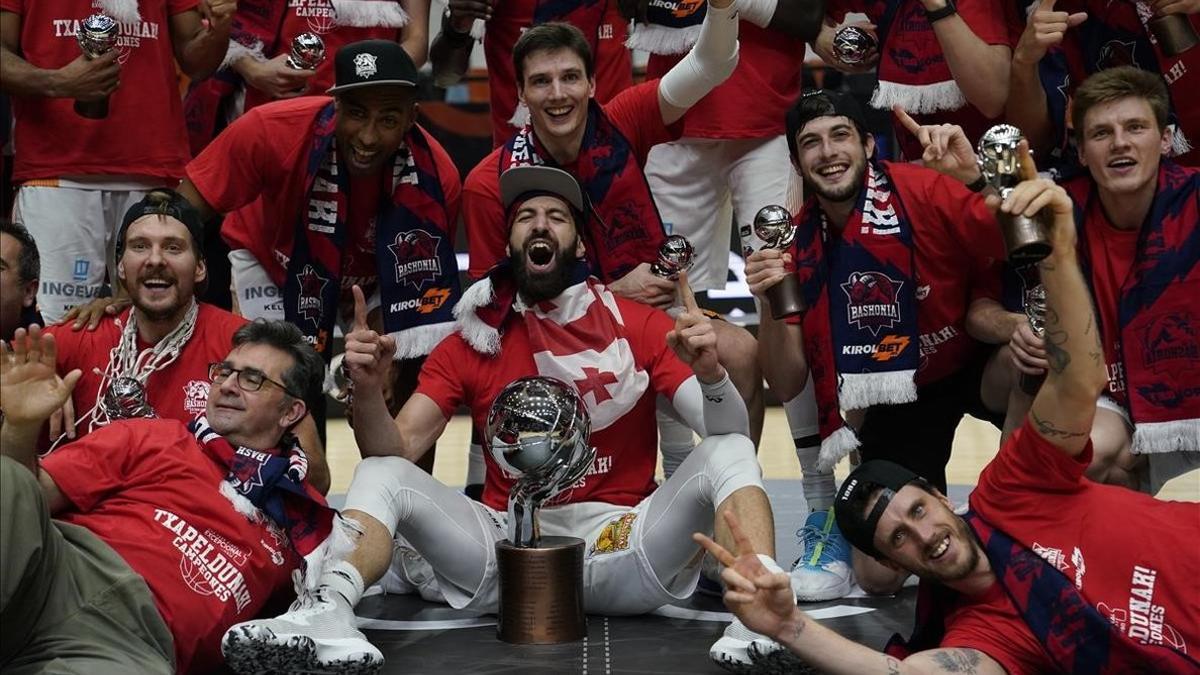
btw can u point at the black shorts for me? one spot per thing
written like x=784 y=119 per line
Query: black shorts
x=919 y=435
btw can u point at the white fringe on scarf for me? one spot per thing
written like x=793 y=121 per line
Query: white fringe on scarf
x=478 y=29
x=420 y=340
x=124 y=11
x=1157 y=437
x=482 y=337
x=237 y=50
x=833 y=449
x=370 y=13
x=338 y=546
x=858 y=391
x=919 y=98
x=520 y=116
x=661 y=39
x=240 y=503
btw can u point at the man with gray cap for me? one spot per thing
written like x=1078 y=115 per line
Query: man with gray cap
x=1037 y=576
x=540 y=313
x=323 y=194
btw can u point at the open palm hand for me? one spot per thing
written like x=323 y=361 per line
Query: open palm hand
x=30 y=389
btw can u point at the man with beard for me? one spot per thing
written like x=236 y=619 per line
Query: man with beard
x=20 y=268
x=1047 y=571
x=898 y=267
x=540 y=314
x=166 y=340
x=133 y=550
x=1137 y=215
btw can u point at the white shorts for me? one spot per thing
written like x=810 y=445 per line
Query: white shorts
x=703 y=185
x=1161 y=467
x=75 y=228
x=258 y=297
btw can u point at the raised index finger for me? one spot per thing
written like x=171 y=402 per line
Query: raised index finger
x=906 y=121
x=686 y=295
x=360 y=309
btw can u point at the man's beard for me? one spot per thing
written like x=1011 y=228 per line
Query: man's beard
x=969 y=562
x=535 y=288
x=841 y=194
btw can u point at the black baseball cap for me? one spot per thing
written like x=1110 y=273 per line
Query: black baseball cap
x=816 y=103
x=370 y=63
x=164 y=202
x=522 y=182
x=848 y=507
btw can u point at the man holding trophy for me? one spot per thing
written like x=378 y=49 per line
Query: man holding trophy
x=898 y=266
x=539 y=314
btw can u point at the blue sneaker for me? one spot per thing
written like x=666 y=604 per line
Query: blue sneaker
x=824 y=571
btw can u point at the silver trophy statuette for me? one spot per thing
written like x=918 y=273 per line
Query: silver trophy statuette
x=674 y=256
x=97 y=36
x=1000 y=162
x=774 y=227
x=126 y=399
x=1035 y=311
x=537 y=430
x=308 y=51
x=853 y=45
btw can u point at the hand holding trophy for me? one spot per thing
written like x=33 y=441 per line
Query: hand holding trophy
x=1000 y=161
x=774 y=227
x=97 y=36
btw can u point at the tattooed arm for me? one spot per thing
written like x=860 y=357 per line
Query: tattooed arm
x=1064 y=408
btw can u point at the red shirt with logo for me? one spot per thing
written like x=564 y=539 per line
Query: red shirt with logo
x=635 y=113
x=256 y=170
x=767 y=73
x=614 y=67
x=143 y=134
x=1124 y=550
x=179 y=391
x=626 y=451
x=148 y=490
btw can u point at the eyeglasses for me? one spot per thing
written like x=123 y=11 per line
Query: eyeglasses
x=249 y=379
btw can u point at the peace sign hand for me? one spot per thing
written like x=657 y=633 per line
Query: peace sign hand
x=694 y=340
x=368 y=354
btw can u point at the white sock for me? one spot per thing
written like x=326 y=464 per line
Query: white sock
x=801 y=412
x=345 y=580
x=476 y=468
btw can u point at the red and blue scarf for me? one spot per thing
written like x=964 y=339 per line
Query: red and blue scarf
x=627 y=229
x=1158 y=312
x=1074 y=634
x=418 y=273
x=273 y=483
x=860 y=332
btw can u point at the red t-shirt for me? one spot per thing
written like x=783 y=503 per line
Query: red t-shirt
x=256 y=170
x=1122 y=549
x=147 y=489
x=626 y=451
x=768 y=73
x=317 y=16
x=1111 y=252
x=178 y=391
x=635 y=113
x=614 y=67
x=143 y=134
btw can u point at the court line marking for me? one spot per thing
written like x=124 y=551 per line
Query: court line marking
x=673 y=612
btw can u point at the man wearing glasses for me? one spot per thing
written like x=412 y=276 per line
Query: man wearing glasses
x=166 y=340
x=134 y=548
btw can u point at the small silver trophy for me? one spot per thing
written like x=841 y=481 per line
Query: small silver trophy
x=537 y=430
x=308 y=51
x=674 y=256
x=339 y=386
x=1024 y=238
x=1174 y=33
x=126 y=399
x=97 y=36
x=853 y=45
x=1035 y=310
x=773 y=225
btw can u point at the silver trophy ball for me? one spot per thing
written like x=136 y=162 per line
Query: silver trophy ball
x=308 y=51
x=98 y=35
x=538 y=430
x=773 y=225
x=853 y=45
x=674 y=256
x=126 y=399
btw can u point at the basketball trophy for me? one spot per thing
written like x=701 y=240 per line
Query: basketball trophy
x=126 y=399
x=674 y=256
x=773 y=225
x=1024 y=238
x=537 y=431
x=97 y=36
x=1174 y=33
x=853 y=45
x=308 y=51
x=1035 y=310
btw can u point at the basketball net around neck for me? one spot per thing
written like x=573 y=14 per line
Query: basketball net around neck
x=125 y=360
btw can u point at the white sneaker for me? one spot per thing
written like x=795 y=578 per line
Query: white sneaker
x=316 y=635
x=730 y=651
x=824 y=570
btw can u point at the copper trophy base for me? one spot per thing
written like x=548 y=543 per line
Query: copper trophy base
x=1174 y=33
x=1024 y=239
x=785 y=298
x=541 y=592
x=93 y=110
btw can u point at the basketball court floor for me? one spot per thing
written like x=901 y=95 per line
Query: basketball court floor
x=420 y=637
